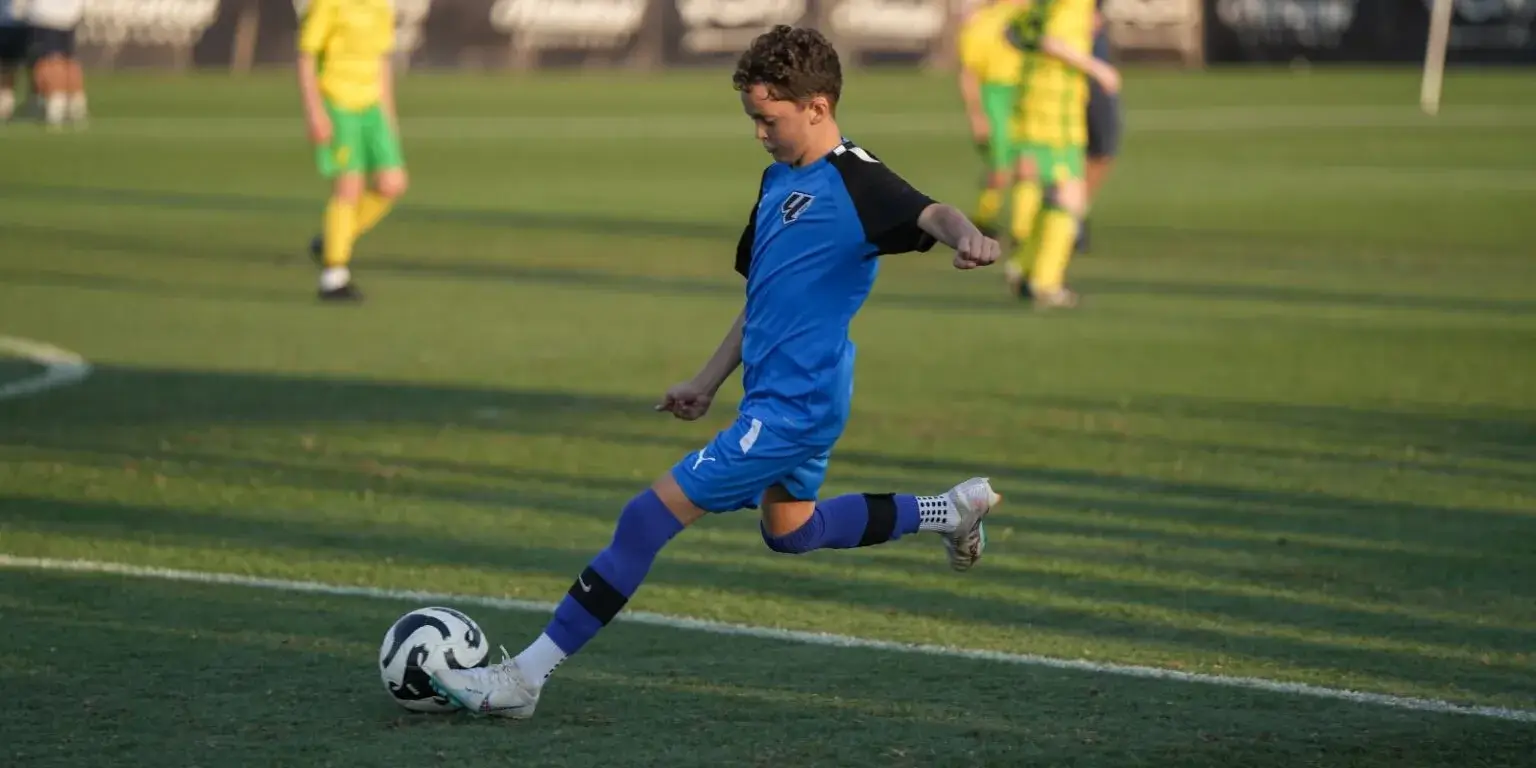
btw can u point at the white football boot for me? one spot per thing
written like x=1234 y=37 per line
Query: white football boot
x=499 y=689
x=972 y=500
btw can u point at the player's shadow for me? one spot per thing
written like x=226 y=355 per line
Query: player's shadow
x=218 y=656
x=489 y=551
x=43 y=277
x=224 y=202
x=1493 y=434
x=587 y=224
x=153 y=247
x=598 y=499
x=178 y=417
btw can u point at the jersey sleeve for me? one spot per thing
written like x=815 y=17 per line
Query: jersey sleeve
x=888 y=207
x=315 y=27
x=1069 y=19
x=970 y=48
x=744 y=245
x=749 y=233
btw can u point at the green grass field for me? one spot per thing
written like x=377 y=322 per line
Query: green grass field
x=1290 y=435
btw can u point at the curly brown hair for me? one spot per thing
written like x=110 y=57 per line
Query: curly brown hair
x=794 y=63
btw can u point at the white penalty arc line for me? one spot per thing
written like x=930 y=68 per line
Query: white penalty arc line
x=61 y=367
x=769 y=633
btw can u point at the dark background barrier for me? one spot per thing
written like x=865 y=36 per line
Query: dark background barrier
x=1483 y=31
x=527 y=34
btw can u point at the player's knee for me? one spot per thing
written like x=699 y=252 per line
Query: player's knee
x=998 y=179
x=392 y=184
x=796 y=542
x=1070 y=195
x=348 y=188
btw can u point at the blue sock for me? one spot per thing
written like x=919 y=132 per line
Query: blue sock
x=849 y=521
x=600 y=592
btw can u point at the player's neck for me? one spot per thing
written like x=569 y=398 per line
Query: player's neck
x=826 y=139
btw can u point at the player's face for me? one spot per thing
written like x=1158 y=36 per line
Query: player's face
x=784 y=127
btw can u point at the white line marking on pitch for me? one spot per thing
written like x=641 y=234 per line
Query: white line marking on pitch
x=60 y=367
x=768 y=633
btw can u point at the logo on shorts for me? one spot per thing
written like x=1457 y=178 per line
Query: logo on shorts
x=702 y=457
x=794 y=205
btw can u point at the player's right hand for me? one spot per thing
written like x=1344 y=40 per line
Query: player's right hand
x=1108 y=77
x=320 y=128
x=976 y=250
x=686 y=401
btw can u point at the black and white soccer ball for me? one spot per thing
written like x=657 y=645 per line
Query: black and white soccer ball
x=442 y=634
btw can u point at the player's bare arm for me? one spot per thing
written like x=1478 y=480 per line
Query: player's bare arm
x=314 y=106
x=1102 y=71
x=691 y=399
x=387 y=92
x=970 y=92
x=951 y=227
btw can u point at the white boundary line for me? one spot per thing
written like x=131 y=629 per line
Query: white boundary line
x=60 y=367
x=768 y=633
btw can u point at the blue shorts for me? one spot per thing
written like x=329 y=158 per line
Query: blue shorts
x=746 y=459
x=1103 y=123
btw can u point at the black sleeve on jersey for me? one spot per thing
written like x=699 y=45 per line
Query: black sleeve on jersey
x=887 y=205
x=749 y=233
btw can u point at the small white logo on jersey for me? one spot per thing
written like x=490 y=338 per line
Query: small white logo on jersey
x=795 y=205
x=855 y=150
x=702 y=458
x=584 y=586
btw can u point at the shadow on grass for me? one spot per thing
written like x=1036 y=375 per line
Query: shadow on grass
x=1105 y=610
x=588 y=224
x=124 y=414
x=247 y=677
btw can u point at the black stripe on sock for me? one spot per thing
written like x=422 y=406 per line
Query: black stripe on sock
x=882 y=518
x=595 y=594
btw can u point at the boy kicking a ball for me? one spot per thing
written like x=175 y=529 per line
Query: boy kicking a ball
x=826 y=209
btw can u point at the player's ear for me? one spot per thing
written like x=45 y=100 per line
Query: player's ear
x=821 y=109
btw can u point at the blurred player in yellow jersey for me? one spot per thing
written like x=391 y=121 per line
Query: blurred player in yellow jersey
x=349 y=101
x=989 y=79
x=1056 y=37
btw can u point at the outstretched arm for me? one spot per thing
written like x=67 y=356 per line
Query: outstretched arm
x=690 y=399
x=315 y=116
x=970 y=92
x=725 y=360
x=1098 y=69
x=1036 y=32
x=948 y=225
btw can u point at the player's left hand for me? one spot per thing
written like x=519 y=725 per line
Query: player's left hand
x=976 y=250
x=686 y=401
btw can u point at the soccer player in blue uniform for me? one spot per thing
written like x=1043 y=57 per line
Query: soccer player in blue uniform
x=826 y=209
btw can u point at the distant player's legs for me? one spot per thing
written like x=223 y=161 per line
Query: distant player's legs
x=1065 y=203
x=14 y=42
x=716 y=478
x=50 y=80
x=370 y=143
x=997 y=100
x=76 y=110
x=389 y=179
x=7 y=90
x=341 y=161
x=1028 y=195
x=1103 y=148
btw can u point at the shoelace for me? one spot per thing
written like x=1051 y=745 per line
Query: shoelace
x=502 y=674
